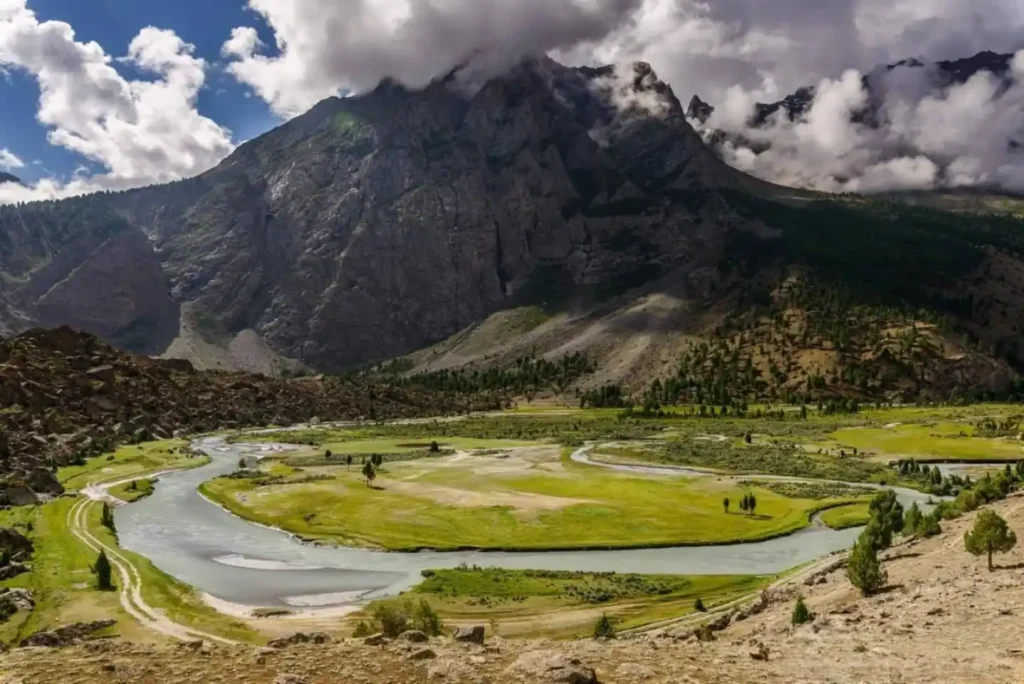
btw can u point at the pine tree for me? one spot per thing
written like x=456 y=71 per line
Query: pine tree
x=604 y=629
x=863 y=568
x=369 y=472
x=107 y=518
x=752 y=504
x=698 y=606
x=103 y=571
x=801 y=614
x=990 y=535
x=725 y=505
x=912 y=520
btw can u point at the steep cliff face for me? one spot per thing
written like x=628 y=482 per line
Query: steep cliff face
x=372 y=226
x=80 y=263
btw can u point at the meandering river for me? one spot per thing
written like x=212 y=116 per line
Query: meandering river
x=234 y=560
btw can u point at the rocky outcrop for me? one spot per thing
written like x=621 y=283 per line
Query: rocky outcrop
x=66 y=396
x=14 y=544
x=550 y=667
x=67 y=635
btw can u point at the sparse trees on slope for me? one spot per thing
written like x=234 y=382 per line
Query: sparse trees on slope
x=990 y=535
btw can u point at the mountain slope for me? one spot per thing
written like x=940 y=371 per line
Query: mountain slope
x=375 y=226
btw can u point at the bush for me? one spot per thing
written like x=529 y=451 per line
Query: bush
x=698 y=606
x=103 y=572
x=393 y=617
x=801 y=614
x=604 y=629
x=362 y=630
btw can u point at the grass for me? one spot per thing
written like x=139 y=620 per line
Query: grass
x=61 y=580
x=491 y=503
x=931 y=442
x=130 y=492
x=843 y=517
x=517 y=602
x=129 y=460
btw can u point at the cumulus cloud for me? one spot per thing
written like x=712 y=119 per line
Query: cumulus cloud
x=325 y=47
x=9 y=161
x=138 y=131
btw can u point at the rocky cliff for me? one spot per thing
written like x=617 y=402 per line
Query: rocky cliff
x=372 y=226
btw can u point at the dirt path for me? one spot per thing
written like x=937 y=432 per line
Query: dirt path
x=130 y=585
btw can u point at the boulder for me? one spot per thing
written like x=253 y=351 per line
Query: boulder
x=300 y=638
x=288 y=678
x=550 y=667
x=470 y=635
x=67 y=635
x=413 y=636
x=759 y=651
x=13 y=570
x=42 y=481
x=375 y=640
x=15 y=543
x=422 y=654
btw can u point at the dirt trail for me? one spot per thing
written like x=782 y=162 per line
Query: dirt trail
x=130 y=585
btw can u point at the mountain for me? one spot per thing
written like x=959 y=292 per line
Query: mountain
x=8 y=178
x=371 y=226
x=555 y=210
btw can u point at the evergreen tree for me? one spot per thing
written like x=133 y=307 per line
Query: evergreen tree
x=698 y=606
x=369 y=472
x=725 y=505
x=348 y=462
x=604 y=629
x=990 y=535
x=752 y=504
x=863 y=568
x=103 y=572
x=912 y=520
x=888 y=510
x=801 y=614
x=107 y=518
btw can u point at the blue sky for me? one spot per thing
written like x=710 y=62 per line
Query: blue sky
x=113 y=24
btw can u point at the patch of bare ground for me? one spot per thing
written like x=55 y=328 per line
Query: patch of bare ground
x=944 y=618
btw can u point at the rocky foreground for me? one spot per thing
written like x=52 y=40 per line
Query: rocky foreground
x=945 y=618
x=65 y=395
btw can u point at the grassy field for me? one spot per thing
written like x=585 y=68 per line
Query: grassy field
x=130 y=492
x=843 y=517
x=61 y=580
x=529 y=500
x=930 y=442
x=129 y=461
x=565 y=604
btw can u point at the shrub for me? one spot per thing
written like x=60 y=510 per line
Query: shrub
x=801 y=614
x=698 y=606
x=393 y=617
x=603 y=628
x=103 y=573
x=362 y=630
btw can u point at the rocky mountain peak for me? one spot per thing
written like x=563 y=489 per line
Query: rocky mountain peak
x=9 y=178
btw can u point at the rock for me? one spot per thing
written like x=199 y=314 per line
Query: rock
x=13 y=600
x=287 y=678
x=262 y=653
x=413 y=636
x=471 y=635
x=300 y=638
x=422 y=654
x=634 y=671
x=104 y=374
x=375 y=640
x=12 y=570
x=14 y=543
x=759 y=652
x=551 y=666
x=193 y=645
x=67 y=635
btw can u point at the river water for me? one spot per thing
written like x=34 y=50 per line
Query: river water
x=203 y=545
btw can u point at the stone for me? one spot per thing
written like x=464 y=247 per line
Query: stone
x=551 y=667
x=759 y=652
x=375 y=640
x=67 y=635
x=472 y=635
x=288 y=678
x=413 y=636
x=300 y=638
x=422 y=654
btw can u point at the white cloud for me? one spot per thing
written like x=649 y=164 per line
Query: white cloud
x=140 y=131
x=325 y=47
x=9 y=161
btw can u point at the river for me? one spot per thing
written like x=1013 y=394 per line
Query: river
x=202 y=545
